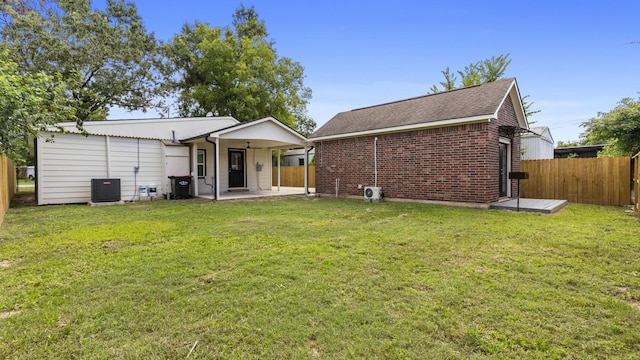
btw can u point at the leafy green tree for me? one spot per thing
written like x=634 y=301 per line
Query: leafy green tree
x=619 y=128
x=237 y=72
x=110 y=50
x=20 y=95
x=481 y=72
x=477 y=73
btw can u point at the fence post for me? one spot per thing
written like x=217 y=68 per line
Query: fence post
x=636 y=182
x=8 y=184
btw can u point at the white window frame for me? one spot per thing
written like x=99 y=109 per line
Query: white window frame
x=201 y=164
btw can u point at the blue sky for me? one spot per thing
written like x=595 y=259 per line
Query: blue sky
x=574 y=58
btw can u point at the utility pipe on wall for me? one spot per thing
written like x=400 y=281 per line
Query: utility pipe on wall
x=375 y=161
x=108 y=142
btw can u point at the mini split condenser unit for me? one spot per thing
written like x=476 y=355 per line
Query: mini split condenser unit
x=373 y=194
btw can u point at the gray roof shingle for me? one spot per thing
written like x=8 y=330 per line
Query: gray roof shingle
x=472 y=101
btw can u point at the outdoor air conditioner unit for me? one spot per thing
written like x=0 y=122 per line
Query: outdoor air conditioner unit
x=105 y=190
x=373 y=194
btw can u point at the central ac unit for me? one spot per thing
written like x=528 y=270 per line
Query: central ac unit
x=105 y=190
x=372 y=194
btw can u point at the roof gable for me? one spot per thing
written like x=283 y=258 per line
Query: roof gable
x=266 y=129
x=469 y=104
x=262 y=129
x=542 y=132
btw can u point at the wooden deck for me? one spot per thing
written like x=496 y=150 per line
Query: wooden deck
x=545 y=206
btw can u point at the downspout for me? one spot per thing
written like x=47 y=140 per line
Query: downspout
x=306 y=169
x=215 y=168
x=108 y=143
x=375 y=161
x=194 y=168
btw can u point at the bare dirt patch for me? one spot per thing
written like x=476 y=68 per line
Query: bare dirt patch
x=6 y=263
x=634 y=304
x=23 y=199
x=10 y=313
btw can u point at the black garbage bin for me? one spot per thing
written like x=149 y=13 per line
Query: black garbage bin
x=180 y=187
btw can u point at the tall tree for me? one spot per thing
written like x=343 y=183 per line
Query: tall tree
x=111 y=51
x=620 y=128
x=20 y=95
x=480 y=72
x=236 y=71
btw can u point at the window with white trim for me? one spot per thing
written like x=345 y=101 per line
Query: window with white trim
x=202 y=163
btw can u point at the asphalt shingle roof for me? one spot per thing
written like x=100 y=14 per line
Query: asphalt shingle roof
x=460 y=103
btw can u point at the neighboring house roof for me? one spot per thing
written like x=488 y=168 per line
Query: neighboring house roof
x=468 y=104
x=540 y=131
x=588 y=150
x=298 y=152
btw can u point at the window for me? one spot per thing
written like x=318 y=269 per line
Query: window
x=301 y=162
x=202 y=163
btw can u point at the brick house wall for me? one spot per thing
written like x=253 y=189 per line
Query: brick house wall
x=455 y=163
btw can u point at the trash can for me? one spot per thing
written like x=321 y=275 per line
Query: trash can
x=180 y=187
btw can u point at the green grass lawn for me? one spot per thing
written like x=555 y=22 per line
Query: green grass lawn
x=318 y=279
x=26 y=186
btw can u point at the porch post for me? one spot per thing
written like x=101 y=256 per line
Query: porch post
x=306 y=171
x=217 y=180
x=194 y=165
x=278 y=156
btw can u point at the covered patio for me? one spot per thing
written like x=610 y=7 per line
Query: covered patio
x=236 y=162
x=274 y=192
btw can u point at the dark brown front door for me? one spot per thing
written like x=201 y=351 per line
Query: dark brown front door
x=236 y=169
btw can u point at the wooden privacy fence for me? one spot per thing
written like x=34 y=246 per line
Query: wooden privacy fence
x=293 y=176
x=636 y=183
x=7 y=184
x=601 y=181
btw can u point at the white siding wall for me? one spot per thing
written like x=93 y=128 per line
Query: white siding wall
x=67 y=165
x=176 y=164
x=263 y=156
x=205 y=185
x=127 y=153
x=258 y=180
x=536 y=148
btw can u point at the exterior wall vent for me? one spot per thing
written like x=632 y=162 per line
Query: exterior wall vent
x=105 y=190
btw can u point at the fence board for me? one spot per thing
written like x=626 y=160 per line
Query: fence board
x=602 y=181
x=636 y=183
x=293 y=176
x=7 y=184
